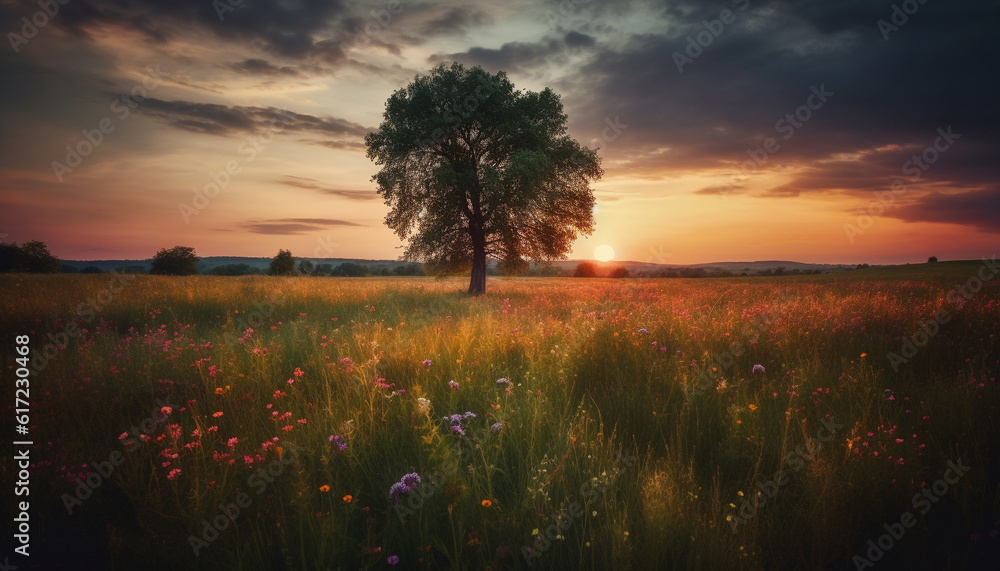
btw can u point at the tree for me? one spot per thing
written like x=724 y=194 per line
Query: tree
x=585 y=270
x=177 y=261
x=306 y=267
x=350 y=269
x=282 y=264
x=473 y=169
x=932 y=259
x=31 y=257
x=618 y=272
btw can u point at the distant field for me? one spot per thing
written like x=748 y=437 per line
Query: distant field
x=728 y=423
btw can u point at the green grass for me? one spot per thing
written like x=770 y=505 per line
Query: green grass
x=602 y=421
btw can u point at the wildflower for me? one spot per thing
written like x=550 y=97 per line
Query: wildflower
x=453 y=385
x=291 y=381
x=752 y=406
x=888 y=394
x=468 y=415
x=497 y=427
x=339 y=441
x=423 y=405
x=347 y=499
x=173 y=473
x=393 y=559
x=863 y=355
x=166 y=410
x=757 y=369
x=643 y=331
x=503 y=382
x=232 y=442
x=324 y=488
x=427 y=363
x=216 y=414
x=298 y=372
x=219 y=391
x=487 y=503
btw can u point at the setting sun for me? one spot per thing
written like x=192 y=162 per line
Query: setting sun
x=604 y=253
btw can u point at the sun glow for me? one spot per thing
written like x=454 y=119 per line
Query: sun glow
x=604 y=253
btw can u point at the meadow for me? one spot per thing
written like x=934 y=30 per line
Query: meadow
x=740 y=423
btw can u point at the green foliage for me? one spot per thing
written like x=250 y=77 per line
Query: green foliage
x=30 y=257
x=177 y=261
x=585 y=270
x=473 y=169
x=596 y=369
x=283 y=264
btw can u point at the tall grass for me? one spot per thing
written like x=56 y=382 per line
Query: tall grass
x=599 y=371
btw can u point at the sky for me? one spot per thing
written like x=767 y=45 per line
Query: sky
x=856 y=131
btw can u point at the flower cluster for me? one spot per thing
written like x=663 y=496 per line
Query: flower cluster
x=404 y=485
x=339 y=442
x=457 y=420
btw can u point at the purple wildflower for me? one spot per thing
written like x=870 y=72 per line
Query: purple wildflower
x=497 y=427
x=392 y=560
x=758 y=369
x=453 y=385
x=427 y=363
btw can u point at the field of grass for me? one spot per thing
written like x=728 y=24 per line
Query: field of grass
x=745 y=423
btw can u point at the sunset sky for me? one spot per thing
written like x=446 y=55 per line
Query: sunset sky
x=218 y=77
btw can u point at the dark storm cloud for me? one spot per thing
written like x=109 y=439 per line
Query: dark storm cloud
x=288 y=29
x=932 y=72
x=262 y=67
x=519 y=55
x=454 y=21
x=215 y=119
x=292 y=226
x=980 y=209
x=313 y=184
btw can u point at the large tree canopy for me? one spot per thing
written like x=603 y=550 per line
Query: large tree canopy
x=474 y=169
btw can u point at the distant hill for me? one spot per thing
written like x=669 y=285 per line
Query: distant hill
x=208 y=263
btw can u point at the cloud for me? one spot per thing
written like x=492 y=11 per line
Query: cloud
x=288 y=29
x=455 y=21
x=292 y=226
x=313 y=184
x=216 y=119
x=255 y=66
x=578 y=40
x=977 y=208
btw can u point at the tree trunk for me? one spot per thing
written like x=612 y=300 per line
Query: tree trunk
x=477 y=285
